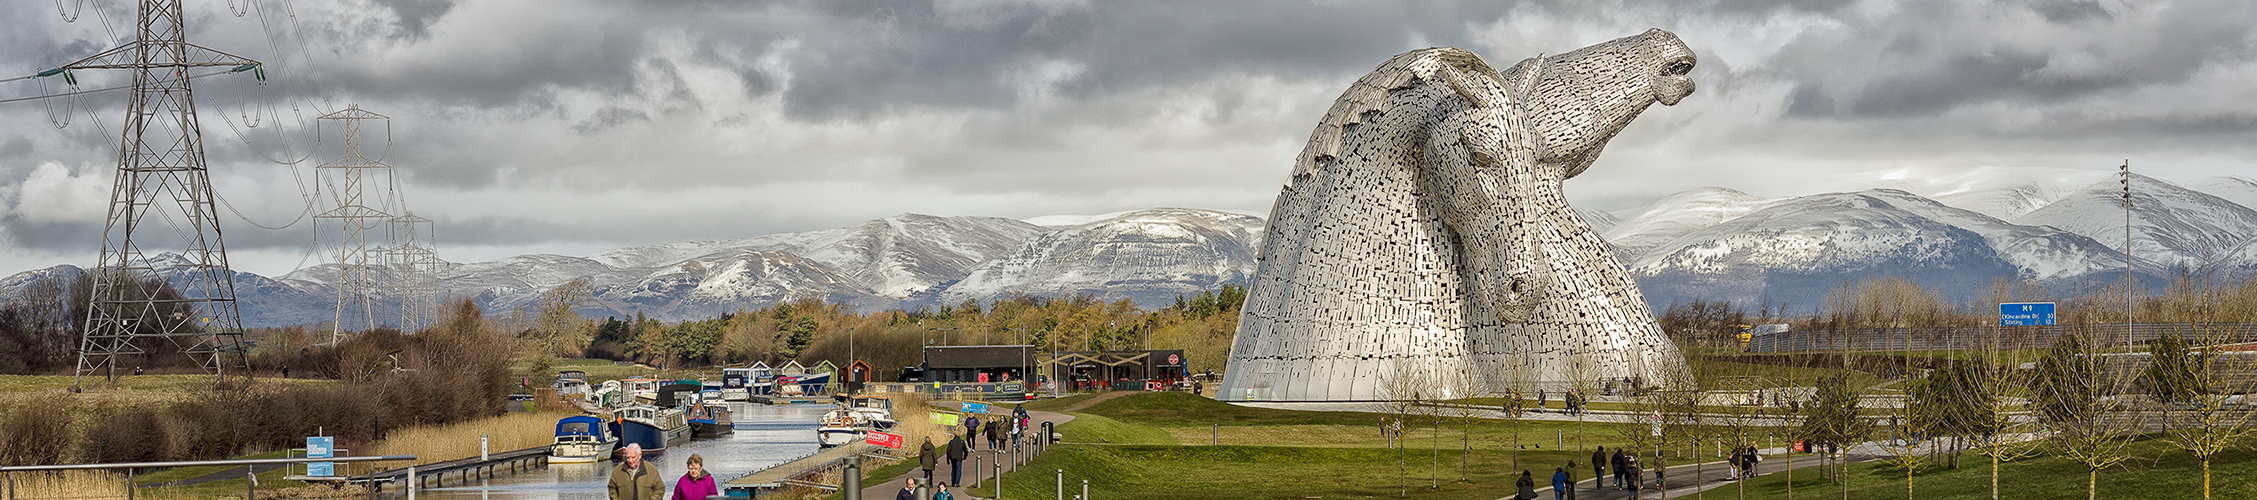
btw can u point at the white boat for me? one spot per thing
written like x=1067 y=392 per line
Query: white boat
x=582 y=439
x=874 y=411
x=736 y=384
x=840 y=426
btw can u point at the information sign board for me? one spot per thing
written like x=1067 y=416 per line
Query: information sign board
x=321 y=447
x=980 y=408
x=2025 y=314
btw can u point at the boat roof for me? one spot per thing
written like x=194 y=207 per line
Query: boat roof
x=595 y=426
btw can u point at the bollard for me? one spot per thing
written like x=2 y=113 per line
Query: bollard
x=978 y=463
x=411 y=481
x=1061 y=484
x=1085 y=489
x=998 y=468
x=851 y=482
x=250 y=483
x=1217 y=435
x=482 y=454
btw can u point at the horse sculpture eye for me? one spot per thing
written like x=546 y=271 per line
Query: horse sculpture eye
x=1679 y=68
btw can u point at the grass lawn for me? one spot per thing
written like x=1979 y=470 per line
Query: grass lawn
x=2157 y=473
x=1155 y=445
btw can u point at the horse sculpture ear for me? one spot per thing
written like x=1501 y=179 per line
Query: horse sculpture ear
x=1531 y=71
x=1484 y=92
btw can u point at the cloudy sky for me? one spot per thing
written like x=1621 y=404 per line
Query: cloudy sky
x=569 y=127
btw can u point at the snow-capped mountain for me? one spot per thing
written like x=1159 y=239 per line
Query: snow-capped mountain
x=707 y=288
x=1954 y=232
x=1675 y=216
x=1803 y=247
x=2171 y=225
x=1149 y=256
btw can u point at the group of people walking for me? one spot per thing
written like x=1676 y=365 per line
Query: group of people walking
x=1003 y=432
x=631 y=479
x=1628 y=475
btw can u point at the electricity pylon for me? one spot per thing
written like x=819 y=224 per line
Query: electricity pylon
x=417 y=266
x=352 y=217
x=161 y=172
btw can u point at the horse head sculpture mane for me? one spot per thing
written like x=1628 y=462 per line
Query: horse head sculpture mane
x=1424 y=232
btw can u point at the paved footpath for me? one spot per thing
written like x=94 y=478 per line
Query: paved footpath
x=891 y=486
x=1711 y=475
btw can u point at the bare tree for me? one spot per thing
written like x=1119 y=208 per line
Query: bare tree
x=2079 y=396
x=2201 y=390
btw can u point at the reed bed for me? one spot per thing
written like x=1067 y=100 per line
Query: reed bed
x=60 y=485
x=429 y=444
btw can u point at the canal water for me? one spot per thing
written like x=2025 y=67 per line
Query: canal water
x=766 y=436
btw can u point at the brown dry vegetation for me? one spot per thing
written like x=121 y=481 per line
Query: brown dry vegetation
x=442 y=375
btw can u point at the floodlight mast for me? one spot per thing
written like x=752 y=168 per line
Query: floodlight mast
x=161 y=171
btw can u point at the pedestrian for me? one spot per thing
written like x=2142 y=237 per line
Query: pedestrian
x=972 y=432
x=1633 y=475
x=1661 y=472
x=1540 y=400
x=1018 y=431
x=1621 y=464
x=1734 y=459
x=908 y=489
x=1751 y=459
x=995 y=434
x=941 y=493
x=696 y=484
x=927 y=458
x=1598 y=468
x=630 y=480
x=1570 y=471
x=1559 y=482
x=956 y=455
x=1525 y=487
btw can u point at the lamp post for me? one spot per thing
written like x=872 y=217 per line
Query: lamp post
x=923 y=358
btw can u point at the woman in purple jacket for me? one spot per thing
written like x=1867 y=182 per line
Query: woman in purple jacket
x=697 y=484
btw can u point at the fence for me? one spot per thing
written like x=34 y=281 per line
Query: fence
x=1992 y=337
x=249 y=469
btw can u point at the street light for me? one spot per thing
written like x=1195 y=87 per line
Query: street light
x=928 y=337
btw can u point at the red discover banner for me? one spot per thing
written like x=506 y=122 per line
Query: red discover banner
x=885 y=439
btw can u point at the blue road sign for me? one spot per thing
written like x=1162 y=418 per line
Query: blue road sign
x=2025 y=314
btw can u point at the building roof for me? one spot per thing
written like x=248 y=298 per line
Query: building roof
x=979 y=356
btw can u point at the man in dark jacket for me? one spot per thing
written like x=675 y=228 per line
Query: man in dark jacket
x=1599 y=468
x=1619 y=467
x=909 y=488
x=972 y=431
x=927 y=458
x=957 y=452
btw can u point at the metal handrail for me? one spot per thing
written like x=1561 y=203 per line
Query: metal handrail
x=251 y=472
x=201 y=463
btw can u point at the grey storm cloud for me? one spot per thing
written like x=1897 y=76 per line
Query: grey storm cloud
x=520 y=122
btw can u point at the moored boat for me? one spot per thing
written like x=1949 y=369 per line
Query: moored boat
x=874 y=411
x=840 y=426
x=652 y=427
x=711 y=419
x=582 y=439
x=736 y=384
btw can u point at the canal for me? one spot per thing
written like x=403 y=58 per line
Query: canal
x=766 y=436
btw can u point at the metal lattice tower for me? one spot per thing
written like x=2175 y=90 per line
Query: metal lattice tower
x=161 y=181
x=352 y=217
x=416 y=266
